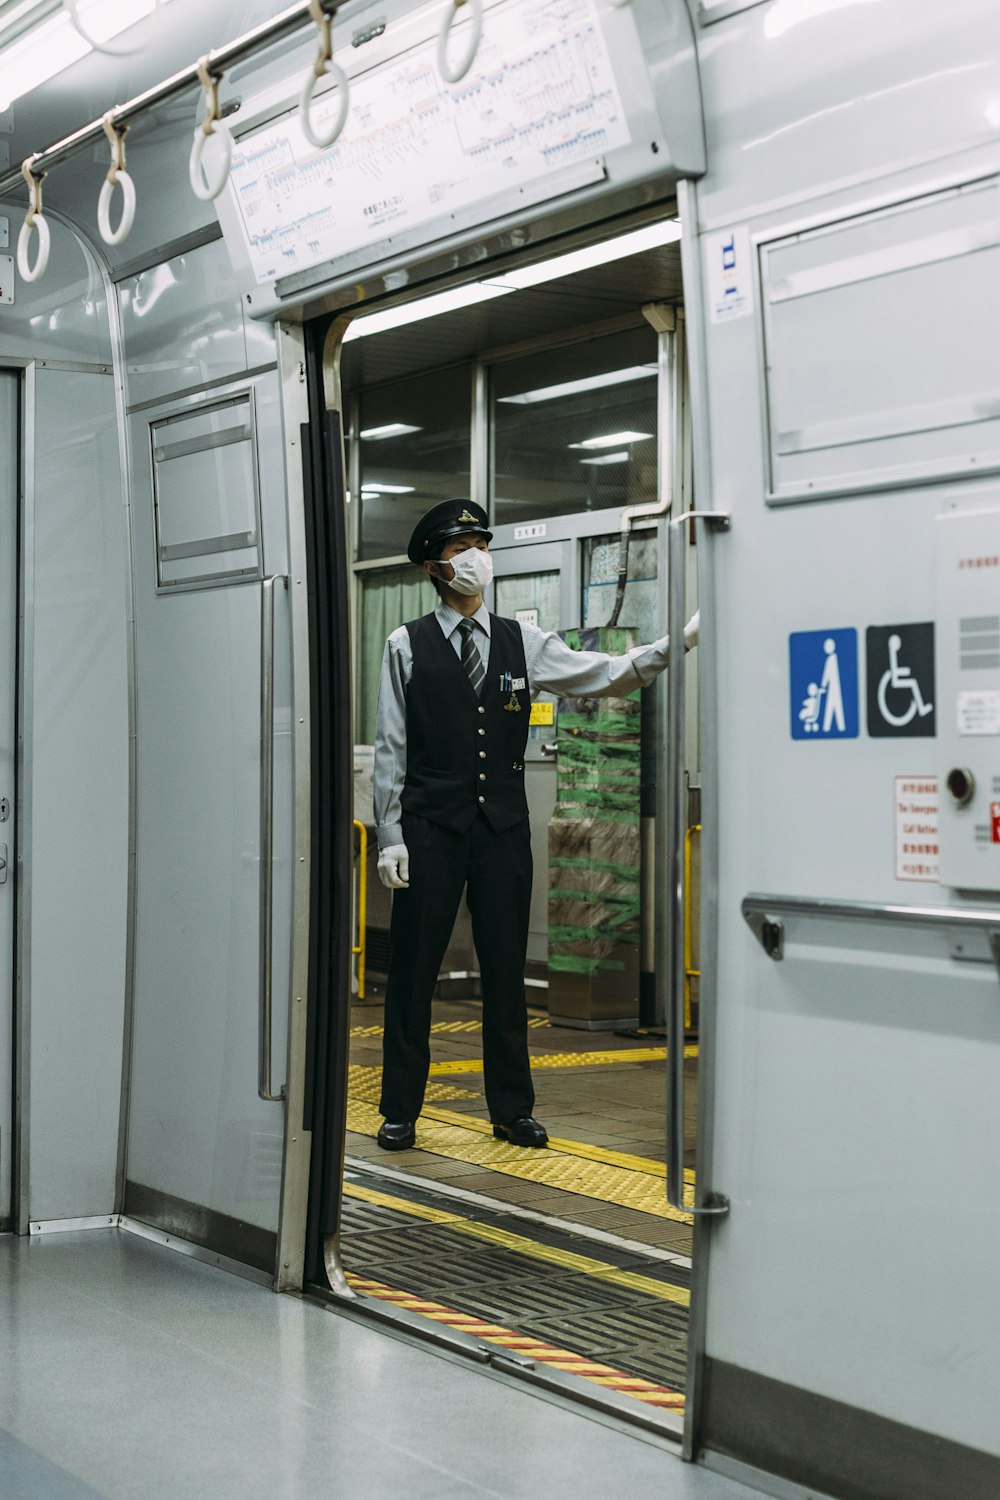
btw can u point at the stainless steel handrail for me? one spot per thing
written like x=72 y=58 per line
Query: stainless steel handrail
x=220 y=61
x=676 y=835
x=264 y=1088
x=758 y=908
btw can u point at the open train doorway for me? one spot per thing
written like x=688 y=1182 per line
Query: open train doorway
x=562 y=410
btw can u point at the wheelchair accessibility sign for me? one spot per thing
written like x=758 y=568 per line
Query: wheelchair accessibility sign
x=823 y=675
x=900 y=662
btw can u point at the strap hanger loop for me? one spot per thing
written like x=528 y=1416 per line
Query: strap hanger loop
x=117 y=177
x=35 y=220
x=324 y=66
x=455 y=72
x=202 y=185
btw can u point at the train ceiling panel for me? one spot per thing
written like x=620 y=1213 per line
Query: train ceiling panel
x=617 y=290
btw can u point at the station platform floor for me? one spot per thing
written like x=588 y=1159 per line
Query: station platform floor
x=130 y=1370
x=570 y=1256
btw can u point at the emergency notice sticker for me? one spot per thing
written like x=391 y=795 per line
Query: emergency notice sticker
x=917 y=828
x=979 y=712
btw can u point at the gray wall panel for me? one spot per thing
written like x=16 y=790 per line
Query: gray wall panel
x=76 y=855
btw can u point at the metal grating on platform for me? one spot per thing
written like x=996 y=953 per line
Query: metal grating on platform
x=623 y=1310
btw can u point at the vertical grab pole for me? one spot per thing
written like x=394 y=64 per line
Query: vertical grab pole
x=359 y=949
x=676 y=824
x=266 y=911
x=676 y=883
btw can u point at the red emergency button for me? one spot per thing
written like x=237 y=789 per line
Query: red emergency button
x=995 y=822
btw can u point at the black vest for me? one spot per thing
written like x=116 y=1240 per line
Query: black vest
x=466 y=754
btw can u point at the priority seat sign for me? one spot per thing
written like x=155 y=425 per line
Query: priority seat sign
x=900 y=689
x=823 y=675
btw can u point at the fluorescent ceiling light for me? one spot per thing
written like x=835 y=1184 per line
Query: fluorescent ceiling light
x=426 y=307
x=55 y=44
x=653 y=237
x=608 y=458
x=389 y=429
x=577 y=387
x=612 y=438
x=387 y=489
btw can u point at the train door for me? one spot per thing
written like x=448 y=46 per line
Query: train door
x=10 y=447
x=575 y=1253
x=213 y=821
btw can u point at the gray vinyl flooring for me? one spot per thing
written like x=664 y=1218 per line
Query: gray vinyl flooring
x=128 y=1370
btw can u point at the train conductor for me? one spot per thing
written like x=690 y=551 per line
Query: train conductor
x=452 y=725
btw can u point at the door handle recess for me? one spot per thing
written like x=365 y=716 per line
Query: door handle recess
x=266 y=909
x=3 y=864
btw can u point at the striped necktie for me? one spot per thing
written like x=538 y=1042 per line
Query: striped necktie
x=471 y=659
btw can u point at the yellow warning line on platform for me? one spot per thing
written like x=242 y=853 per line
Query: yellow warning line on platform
x=566 y=1059
x=524 y=1345
x=571 y=1166
x=534 y=1024
x=647 y=1286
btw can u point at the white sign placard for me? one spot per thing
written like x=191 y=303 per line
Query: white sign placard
x=729 y=264
x=540 y=97
x=526 y=616
x=979 y=712
x=917 y=823
x=525 y=533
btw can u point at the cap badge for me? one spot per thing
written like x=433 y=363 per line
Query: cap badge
x=466 y=516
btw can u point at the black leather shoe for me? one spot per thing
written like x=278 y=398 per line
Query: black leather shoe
x=524 y=1131
x=396 y=1135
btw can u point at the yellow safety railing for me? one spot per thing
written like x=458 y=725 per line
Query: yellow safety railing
x=359 y=951
x=689 y=972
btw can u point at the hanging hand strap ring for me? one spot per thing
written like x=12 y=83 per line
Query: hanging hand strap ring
x=455 y=72
x=202 y=185
x=324 y=66
x=34 y=220
x=117 y=177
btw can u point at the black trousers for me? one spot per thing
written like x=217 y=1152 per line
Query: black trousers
x=495 y=871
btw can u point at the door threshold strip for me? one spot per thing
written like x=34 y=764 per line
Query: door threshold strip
x=526 y=1350
x=357 y=1166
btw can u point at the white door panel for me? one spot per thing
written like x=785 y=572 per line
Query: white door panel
x=10 y=444
x=201 y=1141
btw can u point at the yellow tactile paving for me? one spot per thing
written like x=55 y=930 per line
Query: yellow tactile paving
x=534 y=1023
x=567 y=1059
x=647 y=1286
x=525 y=1346
x=366 y=1083
x=607 y=1176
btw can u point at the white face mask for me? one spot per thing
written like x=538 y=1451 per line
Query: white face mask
x=473 y=571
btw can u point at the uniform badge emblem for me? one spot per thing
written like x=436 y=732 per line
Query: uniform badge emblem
x=467 y=516
x=513 y=707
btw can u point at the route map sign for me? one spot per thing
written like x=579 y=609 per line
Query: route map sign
x=540 y=97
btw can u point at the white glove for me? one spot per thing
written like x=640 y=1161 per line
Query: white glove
x=691 y=631
x=394 y=867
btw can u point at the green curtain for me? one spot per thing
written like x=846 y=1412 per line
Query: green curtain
x=388 y=600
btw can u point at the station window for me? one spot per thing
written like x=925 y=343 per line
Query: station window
x=641 y=605
x=574 y=428
x=388 y=599
x=415 y=440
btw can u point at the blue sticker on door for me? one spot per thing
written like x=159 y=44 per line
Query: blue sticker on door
x=823 y=679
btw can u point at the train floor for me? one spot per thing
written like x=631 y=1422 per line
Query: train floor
x=131 y=1370
x=570 y=1256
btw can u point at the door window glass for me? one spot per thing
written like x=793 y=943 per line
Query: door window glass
x=641 y=606
x=574 y=428
x=415 y=437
